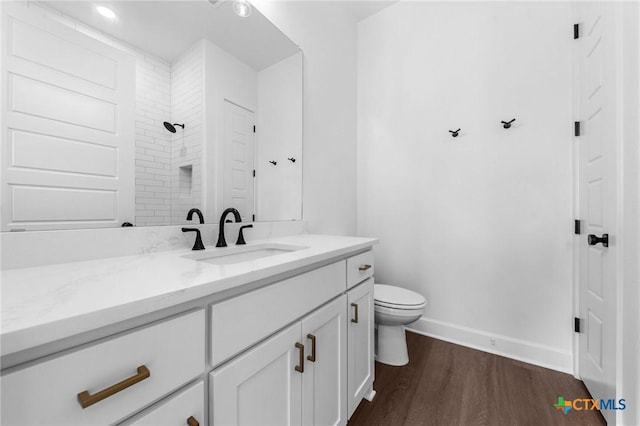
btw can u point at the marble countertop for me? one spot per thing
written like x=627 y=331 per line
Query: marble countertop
x=47 y=303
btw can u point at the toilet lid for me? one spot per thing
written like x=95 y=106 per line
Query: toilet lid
x=392 y=296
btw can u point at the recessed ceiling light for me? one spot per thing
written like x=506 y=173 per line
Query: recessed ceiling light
x=242 y=8
x=106 y=12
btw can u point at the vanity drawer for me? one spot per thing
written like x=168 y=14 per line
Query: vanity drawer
x=242 y=321
x=48 y=393
x=186 y=408
x=359 y=268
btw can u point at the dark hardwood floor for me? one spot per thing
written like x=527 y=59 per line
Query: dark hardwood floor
x=447 y=384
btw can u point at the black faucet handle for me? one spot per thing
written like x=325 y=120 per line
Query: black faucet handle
x=241 y=240
x=197 y=245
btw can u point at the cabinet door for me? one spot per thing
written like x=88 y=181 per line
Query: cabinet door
x=261 y=386
x=324 y=382
x=360 y=343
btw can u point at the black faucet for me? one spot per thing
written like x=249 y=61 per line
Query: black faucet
x=241 y=240
x=198 y=212
x=197 y=245
x=221 y=241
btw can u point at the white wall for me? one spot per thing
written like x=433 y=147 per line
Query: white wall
x=479 y=224
x=226 y=77
x=278 y=189
x=327 y=37
x=628 y=374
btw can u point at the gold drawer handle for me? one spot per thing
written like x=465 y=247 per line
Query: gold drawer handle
x=191 y=421
x=312 y=357
x=300 y=366
x=86 y=399
x=355 y=305
x=364 y=267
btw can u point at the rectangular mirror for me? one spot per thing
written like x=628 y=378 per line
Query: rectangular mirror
x=134 y=112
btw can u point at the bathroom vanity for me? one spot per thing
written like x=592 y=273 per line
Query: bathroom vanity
x=280 y=336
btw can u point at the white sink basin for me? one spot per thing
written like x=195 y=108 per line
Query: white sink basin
x=238 y=254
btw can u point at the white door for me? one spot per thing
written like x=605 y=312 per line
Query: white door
x=238 y=153
x=324 y=382
x=261 y=386
x=596 y=105
x=67 y=126
x=360 y=343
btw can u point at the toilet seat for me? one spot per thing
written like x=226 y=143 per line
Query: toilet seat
x=389 y=296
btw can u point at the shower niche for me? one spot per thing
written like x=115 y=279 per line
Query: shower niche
x=185 y=181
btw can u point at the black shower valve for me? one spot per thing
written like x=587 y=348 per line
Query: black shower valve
x=454 y=133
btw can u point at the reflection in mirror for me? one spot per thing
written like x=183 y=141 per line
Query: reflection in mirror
x=142 y=110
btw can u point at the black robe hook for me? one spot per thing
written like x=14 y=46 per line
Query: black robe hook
x=507 y=124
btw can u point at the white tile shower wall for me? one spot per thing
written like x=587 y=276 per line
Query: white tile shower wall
x=153 y=141
x=187 y=76
x=153 y=107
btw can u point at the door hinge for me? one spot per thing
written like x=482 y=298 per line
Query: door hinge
x=576 y=128
x=254 y=129
x=576 y=31
x=254 y=173
x=576 y=226
x=576 y=324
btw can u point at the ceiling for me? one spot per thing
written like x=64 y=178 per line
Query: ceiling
x=166 y=29
x=361 y=9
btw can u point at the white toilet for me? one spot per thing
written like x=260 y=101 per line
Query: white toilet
x=394 y=307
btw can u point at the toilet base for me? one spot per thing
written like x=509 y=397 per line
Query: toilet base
x=391 y=345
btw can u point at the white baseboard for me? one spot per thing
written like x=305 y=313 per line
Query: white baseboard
x=517 y=349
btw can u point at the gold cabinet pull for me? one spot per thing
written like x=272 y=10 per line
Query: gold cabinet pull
x=364 y=267
x=300 y=366
x=191 y=421
x=85 y=399
x=312 y=357
x=355 y=319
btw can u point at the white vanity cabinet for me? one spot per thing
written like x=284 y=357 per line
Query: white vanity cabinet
x=280 y=381
x=186 y=408
x=296 y=377
x=360 y=366
x=288 y=349
x=324 y=381
x=243 y=321
x=361 y=369
x=104 y=383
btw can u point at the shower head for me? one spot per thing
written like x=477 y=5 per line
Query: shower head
x=170 y=127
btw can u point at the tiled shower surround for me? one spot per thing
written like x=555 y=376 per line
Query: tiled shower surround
x=187 y=107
